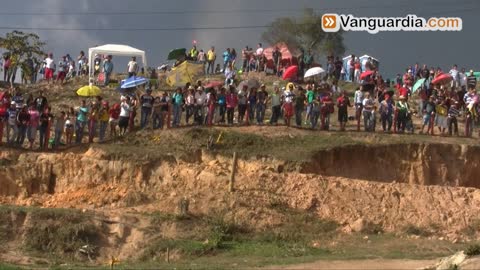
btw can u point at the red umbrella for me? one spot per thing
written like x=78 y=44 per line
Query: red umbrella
x=214 y=84
x=442 y=79
x=290 y=72
x=365 y=74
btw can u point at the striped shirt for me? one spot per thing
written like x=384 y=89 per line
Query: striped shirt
x=453 y=112
x=471 y=81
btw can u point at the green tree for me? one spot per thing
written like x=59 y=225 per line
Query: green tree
x=21 y=46
x=305 y=32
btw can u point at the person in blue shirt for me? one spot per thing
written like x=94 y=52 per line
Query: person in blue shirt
x=81 y=121
x=222 y=104
x=177 y=100
x=107 y=69
x=226 y=58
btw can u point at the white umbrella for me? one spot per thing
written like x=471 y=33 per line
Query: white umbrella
x=314 y=71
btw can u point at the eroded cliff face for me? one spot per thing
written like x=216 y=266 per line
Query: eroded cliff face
x=390 y=186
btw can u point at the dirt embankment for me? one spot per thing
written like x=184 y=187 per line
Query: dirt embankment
x=423 y=164
x=328 y=185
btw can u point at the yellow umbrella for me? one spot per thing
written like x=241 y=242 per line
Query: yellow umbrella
x=89 y=91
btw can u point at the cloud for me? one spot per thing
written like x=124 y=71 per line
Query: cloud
x=63 y=42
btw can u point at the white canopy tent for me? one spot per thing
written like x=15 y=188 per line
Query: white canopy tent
x=114 y=49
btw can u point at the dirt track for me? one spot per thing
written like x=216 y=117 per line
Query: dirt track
x=361 y=264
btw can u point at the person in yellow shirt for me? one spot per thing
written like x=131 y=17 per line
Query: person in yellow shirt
x=211 y=56
x=103 y=117
x=193 y=53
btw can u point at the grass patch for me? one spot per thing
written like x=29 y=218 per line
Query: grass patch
x=59 y=231
x=415 y=230
x=473 y=250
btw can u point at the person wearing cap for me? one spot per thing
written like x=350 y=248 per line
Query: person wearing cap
x=242 y=103
x=262 y=97
x=12 y=112
x=403 y=111
x=199 y=108
x=189 y=104
x=62 y=68
x=146 y=102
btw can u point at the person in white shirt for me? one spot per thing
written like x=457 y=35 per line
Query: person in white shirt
x=368 y=113
x=259 y=55
x=199 y=108
x=124 y=115
x=132 y=67
x=62 y=69
x=454 y=73
x=49 y=67
x=463 y=79
x=358 y=101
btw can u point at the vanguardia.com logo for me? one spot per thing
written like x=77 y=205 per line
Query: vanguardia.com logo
x=332 y=22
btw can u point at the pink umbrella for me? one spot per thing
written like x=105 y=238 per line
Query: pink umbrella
x=290 y=72
x=443 y=78
x=365 y=74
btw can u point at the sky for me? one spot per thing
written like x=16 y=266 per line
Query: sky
x=395 y=50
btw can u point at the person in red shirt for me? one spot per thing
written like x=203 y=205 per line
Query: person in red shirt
x=114 y=114
x=404 y=91
x=343 y=102
x=327 y=109
x=232 y=101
